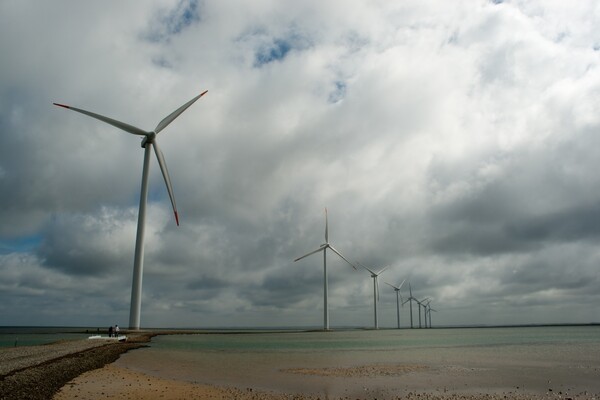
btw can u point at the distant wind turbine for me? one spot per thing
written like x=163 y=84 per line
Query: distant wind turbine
x=148 y=142
x=428 y=310
x=398 y=298
x=409 y=300
x=375 y=275
x=420 y=303
x=324 y=248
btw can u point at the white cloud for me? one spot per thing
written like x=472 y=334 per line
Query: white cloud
x=452 y=141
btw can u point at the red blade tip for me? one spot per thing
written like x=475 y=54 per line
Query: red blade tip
x=61 y=105
x=176 y=218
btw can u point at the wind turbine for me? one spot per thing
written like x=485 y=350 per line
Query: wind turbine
x=148 y=142
x=375 y=275
x=398 y=298
x=409 y=300
x=324 y=248
x=420 y=303
x=429 y=312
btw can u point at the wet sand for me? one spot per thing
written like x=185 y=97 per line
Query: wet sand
x=114 y=381
x=146 y=374
x=59 y=372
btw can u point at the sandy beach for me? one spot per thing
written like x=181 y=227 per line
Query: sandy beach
x=93 y=370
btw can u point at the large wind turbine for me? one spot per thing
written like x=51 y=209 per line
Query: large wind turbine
x=375 y=275
x=324 y=248
x=398 y=298
x=148 y=142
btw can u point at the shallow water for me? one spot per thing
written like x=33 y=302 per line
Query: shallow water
x=480 y=359
x=33 y=336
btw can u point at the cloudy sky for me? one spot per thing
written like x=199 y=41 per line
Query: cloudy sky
x=457 y=142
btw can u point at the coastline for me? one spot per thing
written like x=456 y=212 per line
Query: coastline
x=38 y=372
x=83 y=369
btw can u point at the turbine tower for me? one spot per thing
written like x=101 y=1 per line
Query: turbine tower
x=148 y=142
x=375 y=275
x=428 y=310
x=324 y=248
x=398 y=299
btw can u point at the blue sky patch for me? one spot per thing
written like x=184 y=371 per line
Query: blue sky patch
x=277 y=51
x=21 y=245
x=186 y=13
x=338 y=93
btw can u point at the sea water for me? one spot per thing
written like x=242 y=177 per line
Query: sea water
x=11 y=336
x=508 y=357
x=380 y=340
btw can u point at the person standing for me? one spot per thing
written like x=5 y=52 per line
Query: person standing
x=110 y=331
x=117 y=331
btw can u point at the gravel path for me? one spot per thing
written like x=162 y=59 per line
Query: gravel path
x=37 y=372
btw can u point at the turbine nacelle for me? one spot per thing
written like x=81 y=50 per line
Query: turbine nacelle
x=148 y=139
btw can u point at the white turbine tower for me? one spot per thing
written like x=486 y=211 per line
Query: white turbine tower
x=148 y=142
x=398 y=298
x=324 y=248
x=375 y=275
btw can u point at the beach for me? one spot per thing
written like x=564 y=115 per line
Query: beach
x=172 y=369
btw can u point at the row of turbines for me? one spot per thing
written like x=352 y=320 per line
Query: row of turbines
x=148 y=143
x=424 y=303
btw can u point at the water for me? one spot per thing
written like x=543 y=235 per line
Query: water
x=382 y=340
x=478 y=359
x=33 y=336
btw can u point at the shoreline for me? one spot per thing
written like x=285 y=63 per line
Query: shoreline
x=83 y=369
x=38 y=372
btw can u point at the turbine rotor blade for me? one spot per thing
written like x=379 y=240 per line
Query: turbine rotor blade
x=389 y=284
x=326 y=228
x=400 y=287
x=380 y=272
x=118 y=124
x=339 y=254
x=377 y=287
x=165 y=172
x=367 y=269
x=171 y=117
x=310 y=254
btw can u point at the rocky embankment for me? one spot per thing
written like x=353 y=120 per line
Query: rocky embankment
x=37 y=372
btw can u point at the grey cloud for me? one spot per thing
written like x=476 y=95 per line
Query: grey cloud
x=455 y=144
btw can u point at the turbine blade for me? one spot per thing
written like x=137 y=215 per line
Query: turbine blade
x=367 y=269
x=113 y=122
x=389 y=284
x=326 y=227
x=310 y=254
x=400 y=287
x=339 y=254
x=377 y=287
x=171 y=117
x=165 y=173
x=380 y=272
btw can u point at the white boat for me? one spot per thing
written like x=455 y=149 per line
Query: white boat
x=120 y=338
